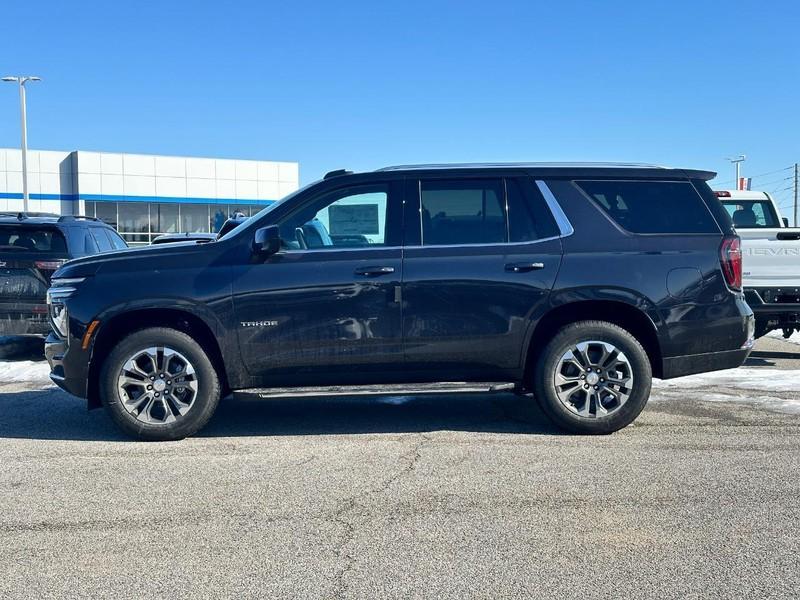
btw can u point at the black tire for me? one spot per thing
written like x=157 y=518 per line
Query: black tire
x=544 y=386
x=205 y=400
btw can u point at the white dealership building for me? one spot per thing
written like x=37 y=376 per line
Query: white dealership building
x=143 y=195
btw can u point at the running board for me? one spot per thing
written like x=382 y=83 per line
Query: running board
x=406 y=389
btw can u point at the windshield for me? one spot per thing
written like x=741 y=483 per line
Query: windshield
x=752 y=213
x=260 y=214
x=31 y=240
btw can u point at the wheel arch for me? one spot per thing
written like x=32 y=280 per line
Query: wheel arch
x=114 y=328
x=631 y=318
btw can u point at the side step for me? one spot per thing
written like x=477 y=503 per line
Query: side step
x=405 y=389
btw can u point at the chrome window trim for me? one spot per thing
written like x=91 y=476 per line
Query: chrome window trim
x=564 y=226
x=418 y=246
x=335 y=249
x=496 y=244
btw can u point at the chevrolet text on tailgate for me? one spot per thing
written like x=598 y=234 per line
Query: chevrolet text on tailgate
x=770 y=254
x=568 y=283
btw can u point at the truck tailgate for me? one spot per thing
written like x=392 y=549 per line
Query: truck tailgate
x=771 y=257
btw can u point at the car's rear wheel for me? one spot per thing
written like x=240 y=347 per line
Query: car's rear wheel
x=593 y=377
x=159 y=384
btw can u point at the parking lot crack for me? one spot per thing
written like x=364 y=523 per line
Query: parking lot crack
x=345 y=516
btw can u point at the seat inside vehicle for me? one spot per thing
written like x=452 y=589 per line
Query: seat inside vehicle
x=744 y=217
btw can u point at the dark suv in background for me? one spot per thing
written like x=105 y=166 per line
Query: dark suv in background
x=32 y=247
x=576 y=283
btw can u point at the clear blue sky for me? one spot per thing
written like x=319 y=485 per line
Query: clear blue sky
x=364 y=84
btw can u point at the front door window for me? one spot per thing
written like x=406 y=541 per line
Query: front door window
x=354 y=217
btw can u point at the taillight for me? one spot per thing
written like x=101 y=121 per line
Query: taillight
x=730 y=259
x=49 y=265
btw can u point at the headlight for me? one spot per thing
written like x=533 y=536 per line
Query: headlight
x=59 y=318
x=60 y=290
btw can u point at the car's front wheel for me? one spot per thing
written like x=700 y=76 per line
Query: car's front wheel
x=159 y=384
x=593 y=377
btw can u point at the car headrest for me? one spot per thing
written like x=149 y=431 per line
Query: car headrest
x=744 y=217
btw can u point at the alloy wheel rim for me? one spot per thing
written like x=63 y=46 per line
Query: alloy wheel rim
x=593 y=379
x=157 y=385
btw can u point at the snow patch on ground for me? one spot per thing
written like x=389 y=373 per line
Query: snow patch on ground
x=743 y=378
x=25 y=371
x=795 y=339
x=740 y=385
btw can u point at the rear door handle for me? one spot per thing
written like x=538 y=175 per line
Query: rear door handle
x=374 y=271
x=524 y=267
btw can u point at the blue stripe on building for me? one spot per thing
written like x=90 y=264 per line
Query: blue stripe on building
x=123 y=198
x=18 y=196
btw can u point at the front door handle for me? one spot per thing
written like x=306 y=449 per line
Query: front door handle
x=524 y=267
x=374 y=271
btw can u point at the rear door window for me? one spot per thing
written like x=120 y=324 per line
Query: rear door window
x=90 y=246
x=652 y=206
x=529 y=218
x=32 y=240
x=483 y=211
x=466 y=211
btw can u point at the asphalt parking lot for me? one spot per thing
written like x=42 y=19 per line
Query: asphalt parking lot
x=449 y=497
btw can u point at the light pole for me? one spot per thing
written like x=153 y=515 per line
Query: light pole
x=737 y=161
x=21 y=81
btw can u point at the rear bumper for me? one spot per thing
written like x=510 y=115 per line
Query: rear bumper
x=679 y=366
x=691 y=364
x=19 y=318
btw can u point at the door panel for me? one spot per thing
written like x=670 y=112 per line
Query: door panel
x=326 y=305
x=316 y=311
x=485 y=259
x=464 y=309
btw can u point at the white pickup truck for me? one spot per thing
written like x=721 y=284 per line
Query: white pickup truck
x=770 y=259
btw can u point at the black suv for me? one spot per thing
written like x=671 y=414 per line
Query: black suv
x=32 y=247
x=576 y=283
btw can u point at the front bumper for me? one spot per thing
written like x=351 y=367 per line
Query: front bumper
x=62 y=361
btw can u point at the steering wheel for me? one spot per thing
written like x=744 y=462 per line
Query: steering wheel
x=300 y=236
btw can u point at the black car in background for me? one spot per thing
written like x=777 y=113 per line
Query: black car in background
x=576 y=283
x=171 y=238
x=202 y=238
x=32 y=247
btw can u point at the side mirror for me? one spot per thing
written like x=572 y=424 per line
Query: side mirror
x=785 y=221
x=267 y=240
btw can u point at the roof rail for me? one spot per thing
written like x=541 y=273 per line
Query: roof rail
x=25 y=215
x=540 y=165
x=337 y=173
x=64 y=218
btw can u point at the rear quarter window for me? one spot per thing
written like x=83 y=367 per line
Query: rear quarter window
x=116 y=241
x=103 y=243
x=652 y=206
